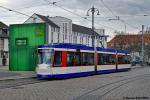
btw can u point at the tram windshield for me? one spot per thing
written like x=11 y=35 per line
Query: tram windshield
x=44 y=56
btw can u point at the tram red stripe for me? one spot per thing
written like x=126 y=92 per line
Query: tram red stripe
x=64 y=58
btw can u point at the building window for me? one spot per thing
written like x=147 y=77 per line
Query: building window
x=5 y=32
x=63 y=38
x=81 y=40
x=70 y=38
x=58 y=37
x=73 y=39
x=51 y=37
x=58 y=59
x=52 y=29
x=76 y=39
x=1 y=44
x=57 y=29
x=65 y=29
x=88 y=41
x=97 y=42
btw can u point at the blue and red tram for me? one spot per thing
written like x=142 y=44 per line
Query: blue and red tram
x=70 y=60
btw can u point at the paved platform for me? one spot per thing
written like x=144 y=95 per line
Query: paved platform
x=130 y=85
x=139 y=66
x=5 y=74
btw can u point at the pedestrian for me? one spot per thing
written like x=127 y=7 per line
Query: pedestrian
x=4 y=60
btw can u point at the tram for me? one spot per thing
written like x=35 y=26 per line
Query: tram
x=66 y=60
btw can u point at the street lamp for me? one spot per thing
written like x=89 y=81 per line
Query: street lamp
x=93 y=11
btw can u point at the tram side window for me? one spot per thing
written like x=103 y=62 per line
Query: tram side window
x=123 y=59
x=58 y=59
x=100 y=59
x=70 y=59
x=77 y=59
x=84 y=58
x=106 y=59
x=73 y=59
x=91 y=59
x=112 y=59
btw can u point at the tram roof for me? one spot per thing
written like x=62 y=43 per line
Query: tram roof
x=81 y=47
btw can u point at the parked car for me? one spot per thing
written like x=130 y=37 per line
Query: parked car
x=148 y=62
x=133 y=63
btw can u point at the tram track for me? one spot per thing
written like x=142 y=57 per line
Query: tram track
x=110 y=87
x=18 y=82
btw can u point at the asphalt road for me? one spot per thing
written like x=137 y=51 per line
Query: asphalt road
x=131 y=85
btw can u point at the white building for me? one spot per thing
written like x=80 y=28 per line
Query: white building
x=4 y=44
x=65 y=25
x=103 y=37
x=62 y=30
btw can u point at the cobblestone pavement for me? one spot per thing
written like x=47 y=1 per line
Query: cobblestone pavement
x=131 y=85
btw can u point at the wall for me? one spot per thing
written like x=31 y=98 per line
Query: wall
x=65 y=25
x=52 y=33
x=65 y=33
x=24 y=39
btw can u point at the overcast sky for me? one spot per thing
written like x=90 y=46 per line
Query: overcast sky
x=131 y=11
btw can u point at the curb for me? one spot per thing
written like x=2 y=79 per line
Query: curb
x=139 y=67
x=9 y=79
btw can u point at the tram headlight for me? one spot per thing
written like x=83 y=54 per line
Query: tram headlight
x=43 y=66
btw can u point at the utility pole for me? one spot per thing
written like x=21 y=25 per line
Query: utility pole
x=142 y=52
x=93 y=10
x=125 y=27
x=118 y=18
